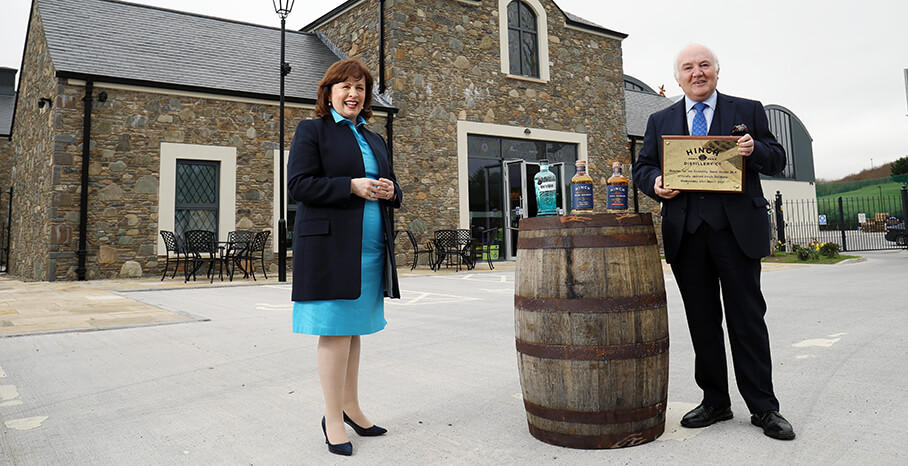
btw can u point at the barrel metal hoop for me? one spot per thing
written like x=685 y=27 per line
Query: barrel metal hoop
x=593 y=352
x=589 y=442
x=590 y=305
x=596 y=417
x=617 y=240
x=586 y=221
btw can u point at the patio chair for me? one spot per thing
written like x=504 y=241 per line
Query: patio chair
x=174 y=250
x=488 y=240
x=453 y=247
x=464 y=242
x=201 y=248
x=255 y=251
x=237 y=241
x=416 y=249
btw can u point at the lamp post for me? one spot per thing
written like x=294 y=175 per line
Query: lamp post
x=282 y=8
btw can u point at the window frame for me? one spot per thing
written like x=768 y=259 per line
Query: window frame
x=542 y=40
x=170 y=152
x=215 y=207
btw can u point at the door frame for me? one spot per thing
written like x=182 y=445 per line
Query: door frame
x=465 y=128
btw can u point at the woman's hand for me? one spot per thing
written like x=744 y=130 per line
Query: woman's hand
x=372 y=190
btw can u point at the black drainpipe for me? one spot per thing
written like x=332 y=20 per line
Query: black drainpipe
x=634 y=161
x=83 y=200
x=381 y=47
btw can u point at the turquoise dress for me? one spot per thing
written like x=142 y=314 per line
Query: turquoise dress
x=365 y=314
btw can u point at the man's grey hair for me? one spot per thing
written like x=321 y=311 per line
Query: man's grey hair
x=678 y=57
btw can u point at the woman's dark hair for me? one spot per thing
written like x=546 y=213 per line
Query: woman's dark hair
x=340 y=72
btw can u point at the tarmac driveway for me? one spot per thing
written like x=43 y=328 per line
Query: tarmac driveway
x=232 y=385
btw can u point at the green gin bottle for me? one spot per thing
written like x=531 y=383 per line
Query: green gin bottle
x=546 y=191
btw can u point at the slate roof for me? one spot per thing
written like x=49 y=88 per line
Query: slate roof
x=638 y=106
x=571 y=19
x=122 y=42
x=7 y=108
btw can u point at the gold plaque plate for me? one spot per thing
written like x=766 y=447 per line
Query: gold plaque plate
x=702 y=163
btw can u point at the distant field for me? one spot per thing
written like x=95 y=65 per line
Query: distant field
x=884 y=190
x=870 y=200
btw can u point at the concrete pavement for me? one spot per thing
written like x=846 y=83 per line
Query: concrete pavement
x=229 y=384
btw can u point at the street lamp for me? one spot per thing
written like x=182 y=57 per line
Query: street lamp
x=282 y=8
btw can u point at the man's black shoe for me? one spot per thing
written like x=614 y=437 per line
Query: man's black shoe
x=704 y=415
x=773 y=424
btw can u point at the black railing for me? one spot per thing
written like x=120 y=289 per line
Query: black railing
x=855 y=223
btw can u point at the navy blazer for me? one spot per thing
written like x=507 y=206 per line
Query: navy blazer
x=746 y=211
x=327 y=246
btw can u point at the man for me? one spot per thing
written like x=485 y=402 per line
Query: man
x=714 y=243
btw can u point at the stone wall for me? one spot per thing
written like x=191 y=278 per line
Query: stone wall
x=35 y=154
x=127 y=131
x=6 y=167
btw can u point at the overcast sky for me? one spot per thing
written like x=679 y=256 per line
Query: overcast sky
x=839 y=66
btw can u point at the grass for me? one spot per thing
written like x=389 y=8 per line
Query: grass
x=884 y=190
x=792 y=258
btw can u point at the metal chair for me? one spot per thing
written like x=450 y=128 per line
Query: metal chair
x=487 y=239
x=464 y=243
x=237 y=241
x=255 y=250
x=202 y=248
x=453 y=245
x=416 y=249
x=175 y=250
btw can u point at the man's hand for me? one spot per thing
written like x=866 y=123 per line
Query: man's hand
x=662 y=192
x=745 y=145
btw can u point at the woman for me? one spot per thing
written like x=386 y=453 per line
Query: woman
x=343 y=256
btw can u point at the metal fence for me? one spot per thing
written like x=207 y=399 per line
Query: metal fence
x=857 y=224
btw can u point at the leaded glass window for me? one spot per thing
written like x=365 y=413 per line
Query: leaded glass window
x=523 y=49
x=196 y=206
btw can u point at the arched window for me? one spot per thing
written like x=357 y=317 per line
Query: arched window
x=523 y=48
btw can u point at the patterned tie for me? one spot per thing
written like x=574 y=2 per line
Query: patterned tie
x=699 y=125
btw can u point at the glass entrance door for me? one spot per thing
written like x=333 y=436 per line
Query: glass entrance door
x=521 y=196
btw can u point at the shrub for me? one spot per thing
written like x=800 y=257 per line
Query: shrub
x=830 y=249
x=815 y=250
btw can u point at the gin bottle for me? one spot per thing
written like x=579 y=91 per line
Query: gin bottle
x=546 y=191
x=581 y=190
x=616 y=195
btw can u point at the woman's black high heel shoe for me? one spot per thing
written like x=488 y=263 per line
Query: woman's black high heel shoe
x=345 y=449
x=373 y=431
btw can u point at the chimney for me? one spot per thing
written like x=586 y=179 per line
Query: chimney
x=7 y=81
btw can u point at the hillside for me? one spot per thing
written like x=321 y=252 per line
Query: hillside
x=868 y=174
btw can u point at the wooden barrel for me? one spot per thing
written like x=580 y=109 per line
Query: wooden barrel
x=592 y=330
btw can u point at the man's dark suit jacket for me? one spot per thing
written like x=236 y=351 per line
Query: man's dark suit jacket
x=327 y=247
x=746 y=212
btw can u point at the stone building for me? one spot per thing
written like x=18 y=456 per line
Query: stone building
x=472 y=95
x=7 y=105
x=175 y=102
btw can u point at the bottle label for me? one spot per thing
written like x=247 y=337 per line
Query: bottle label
x=582 y=196
x=546 y=186
x=616 y=197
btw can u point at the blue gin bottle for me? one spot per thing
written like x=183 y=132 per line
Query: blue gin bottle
x=546 y=191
